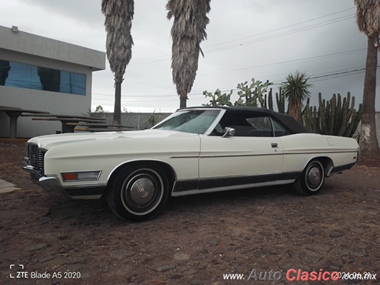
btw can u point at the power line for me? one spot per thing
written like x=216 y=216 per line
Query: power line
x=213 y=47
x=286 y=33
x=265 y=65
x=289 y=61
x=341 y=73
x=281 y=28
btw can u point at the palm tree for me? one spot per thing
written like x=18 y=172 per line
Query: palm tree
x=296 y=90
x=118 y=23
x=188 y=31
x=368 y=20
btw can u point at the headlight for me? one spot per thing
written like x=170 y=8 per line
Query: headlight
x=26 y=161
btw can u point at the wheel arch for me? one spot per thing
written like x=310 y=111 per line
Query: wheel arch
x=168 y=169
x=326 y=162
x=312 y=177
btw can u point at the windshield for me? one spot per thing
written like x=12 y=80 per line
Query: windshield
x=189 y=121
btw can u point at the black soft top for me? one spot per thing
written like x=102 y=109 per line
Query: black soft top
x=287 y=121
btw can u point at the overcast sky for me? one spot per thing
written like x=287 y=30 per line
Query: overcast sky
x=261 y=39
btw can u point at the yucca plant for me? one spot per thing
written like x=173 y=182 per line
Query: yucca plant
x=295 y=90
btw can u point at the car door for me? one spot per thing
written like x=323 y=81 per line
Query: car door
x=252 y=156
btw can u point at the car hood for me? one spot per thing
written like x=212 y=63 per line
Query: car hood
x=50 y=141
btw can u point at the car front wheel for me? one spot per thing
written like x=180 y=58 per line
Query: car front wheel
x=311 y=180
x=138 y=192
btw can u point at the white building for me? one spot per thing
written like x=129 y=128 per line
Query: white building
x=38 y=73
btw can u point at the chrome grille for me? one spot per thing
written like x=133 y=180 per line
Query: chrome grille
x=36 y=157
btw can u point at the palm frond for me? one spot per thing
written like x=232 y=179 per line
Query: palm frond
x=188 y=31
x=368 y=18
x=118 y=23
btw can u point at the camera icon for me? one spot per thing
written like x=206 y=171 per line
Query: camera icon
x=20 y=273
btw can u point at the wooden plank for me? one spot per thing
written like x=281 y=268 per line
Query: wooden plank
x=107 y=130
x=41 y=119
x=63 y=116
x=65 y=119
x=11 y=109
x=80 y=129
x=98 y=124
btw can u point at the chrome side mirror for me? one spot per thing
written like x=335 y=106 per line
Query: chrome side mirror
x=228 y=132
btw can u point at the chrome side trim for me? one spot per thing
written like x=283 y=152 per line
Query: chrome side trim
x=318 y=152
x=86 y=197
x=184 y=156
x=262 y=154
x=240 y=155
x=235 y=187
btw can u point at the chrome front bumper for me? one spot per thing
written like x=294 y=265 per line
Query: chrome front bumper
x=49 y=184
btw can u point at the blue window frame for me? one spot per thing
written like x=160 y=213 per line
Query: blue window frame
x=14 y=74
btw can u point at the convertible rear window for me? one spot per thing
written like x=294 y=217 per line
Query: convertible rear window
x=262 y=127
x=260 y=123
x=247 y=124
x=279 y=130
x=189 y=121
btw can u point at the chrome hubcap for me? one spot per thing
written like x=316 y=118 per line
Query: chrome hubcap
x=142 y=191
x=314 y=177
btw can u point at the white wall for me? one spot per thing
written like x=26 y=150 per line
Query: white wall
x=39 y=51
x=53 y=102
x=34 y=45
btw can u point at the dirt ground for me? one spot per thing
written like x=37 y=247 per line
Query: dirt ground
x=266 y=233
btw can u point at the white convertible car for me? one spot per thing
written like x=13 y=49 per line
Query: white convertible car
x=195 y=150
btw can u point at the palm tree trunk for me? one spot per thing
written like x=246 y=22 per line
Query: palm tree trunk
x=117 y=106
x=295 y=110
x=182 y=101
x=368 y=140
x=119 y=42
x=188 y=31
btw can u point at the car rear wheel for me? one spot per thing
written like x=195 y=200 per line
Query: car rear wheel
x=138 y=192
x=311 y=180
